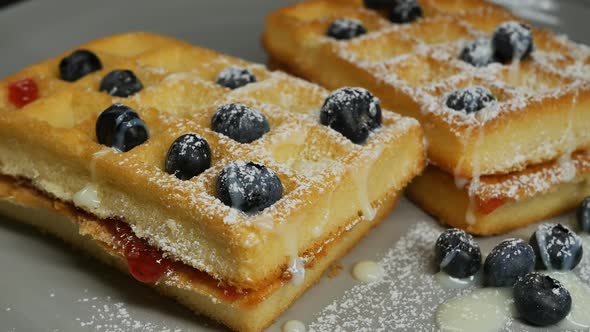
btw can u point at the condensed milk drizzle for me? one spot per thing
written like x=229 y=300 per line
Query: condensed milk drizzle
x=492 y=309
x=362 y=182
x=88 y=197
x=367 y=271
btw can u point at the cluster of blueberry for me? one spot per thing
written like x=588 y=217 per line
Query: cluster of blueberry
x=540 y=299
x=511 y=41
x=399 y=11
x=247 y=186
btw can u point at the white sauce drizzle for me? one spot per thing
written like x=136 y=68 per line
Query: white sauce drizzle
x=491 y=309
x=318 y=229
x=87 y=197
x=362 y=180
x=484 y=310
x=470 y=217
x=543 y=252
x=367 y=271
x=297 y=270
x=95 y=156
x=293 y=326
x=578 y=317
x=447 y=281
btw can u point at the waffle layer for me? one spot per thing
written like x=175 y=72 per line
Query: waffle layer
x=245 y=312
x=501 y=203
x=544 y=101
x=327 y=180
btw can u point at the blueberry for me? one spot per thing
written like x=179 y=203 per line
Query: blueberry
x=478 y=53
x=346 y=29
x=239 y=122
x=405 y=11
x=457 y=253
x=509 y=260
x=541 y=300
x=470 y=99
x=583 y=215
x=556 y=247
x=121 y=83
x=120 y=127
x=512 y=41
x=235 y=77
x=354 y=112
x=188 y=156
x=78 y=64
x=248 y=186
x=379 y=4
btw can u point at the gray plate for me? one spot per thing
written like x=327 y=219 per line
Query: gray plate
x=43 y=286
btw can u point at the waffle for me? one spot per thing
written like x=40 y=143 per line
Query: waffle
x=241 y=269
x=411 y=67
x=501 y=203
x=539 y=119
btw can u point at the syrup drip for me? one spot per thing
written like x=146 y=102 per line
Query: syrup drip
x=23 y=92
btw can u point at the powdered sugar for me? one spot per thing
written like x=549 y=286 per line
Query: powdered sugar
x=449 y=69
x=534 y=181
x=404 y=299
x=107 y=315
x=408 y=296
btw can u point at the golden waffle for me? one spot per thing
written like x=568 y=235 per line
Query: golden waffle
x=245 y=265
x=500 y=203
x=544 y=102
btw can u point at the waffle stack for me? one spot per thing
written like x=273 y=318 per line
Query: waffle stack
x=514 y=162
x=242 y=269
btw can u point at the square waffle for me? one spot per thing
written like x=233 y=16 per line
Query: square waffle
x=542 y=109
x=242 y=269
x=412 y=67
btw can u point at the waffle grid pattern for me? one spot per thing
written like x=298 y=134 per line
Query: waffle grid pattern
x=421 y=59
x=179 y=97
x=414 y=67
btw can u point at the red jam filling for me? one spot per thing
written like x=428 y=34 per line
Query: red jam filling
x=490 y=205
x=23 y=92
x=145 y=263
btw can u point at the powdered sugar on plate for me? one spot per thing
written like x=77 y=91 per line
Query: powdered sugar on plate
x=407 y=297
x=108 y=315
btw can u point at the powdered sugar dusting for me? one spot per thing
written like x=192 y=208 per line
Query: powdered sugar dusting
x=107 y=315
x=182 y=100
x=408 y=296
x=533 y=181
x=405 y=298
x=438 y=63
